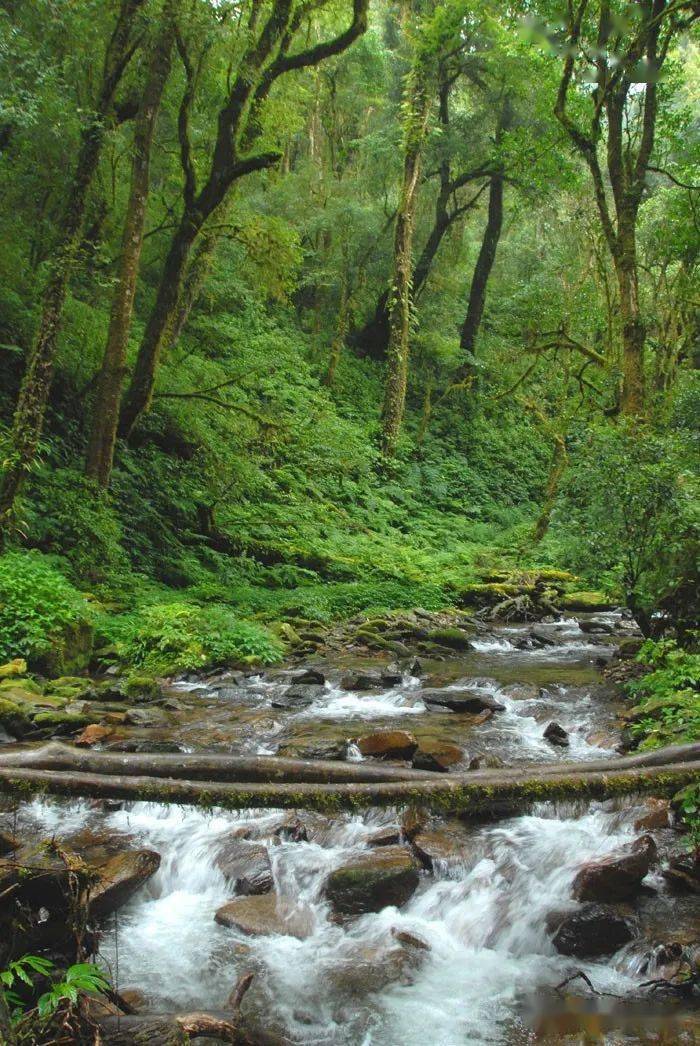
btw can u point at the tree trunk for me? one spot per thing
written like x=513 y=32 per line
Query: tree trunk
x=483 y=267
x=556 y=471
x=105 y=415
x=29 y=415
x=161 y=321
x=633 y=328
x=400 y=305
x=341 y=330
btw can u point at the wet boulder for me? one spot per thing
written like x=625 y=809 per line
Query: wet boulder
x=145 y=717
x=246 y=867
x=629 y=648
x=389 y=836
x=469 y=701
x=453 y=638
x=309 y=675
x=541 y=636
x=590 y=931
x=682 y=871
x=437 y=848
x=387 y=744
x=593 y=627
x=392 y=675
x=93 y=735
x=619 y=875
x=119 y=878
x=369 y=679
x=264 y=915
x=372 y=881
x=556 y=735
x=298 y=695
x=657 y=815
x=438 y=756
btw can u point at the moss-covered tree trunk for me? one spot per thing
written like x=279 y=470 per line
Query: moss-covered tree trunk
x=400 y=301
x=105 y=415
x=29 y=415
x=265 y=59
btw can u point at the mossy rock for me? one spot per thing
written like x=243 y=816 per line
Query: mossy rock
x=21 y=695
x=14 y=717
x=139 y=687
x=28 y=685
x=454 y=638
x=63 y=722
x=586 y=601
x=13 y=669
x=70 y=651
x=479 y=595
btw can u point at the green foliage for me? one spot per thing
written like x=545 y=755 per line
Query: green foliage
x=668 y=697
x=182 y=637
x=629 y=515
x=78 y=979
x=38 y=606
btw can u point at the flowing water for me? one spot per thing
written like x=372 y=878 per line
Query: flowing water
x=482 y=911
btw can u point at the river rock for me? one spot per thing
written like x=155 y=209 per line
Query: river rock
x=471 y=701
x=120 y=877
x=540 y=636
x=437 y=755
x=629 y=648
x=145 y=717
x=299 y=695
x=92 y=735
x=388 y=744
x=264 y=915
x=682 y=871
x=410 y=940
x=392 y=676
x=308 y=674
x=246 y=866
x=557 y=735
x=618 y=876
x=370 y=679
x=594 y=627
x=590 y=931
x=390 y=836
x=436 y=848
x=658 y=814
x=385 y=876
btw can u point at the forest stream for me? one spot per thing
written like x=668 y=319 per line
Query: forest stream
x=455 y=946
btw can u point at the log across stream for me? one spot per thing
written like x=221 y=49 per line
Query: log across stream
x=465 y=954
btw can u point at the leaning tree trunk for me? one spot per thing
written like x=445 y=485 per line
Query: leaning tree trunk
x=401 y=292
x=105 y=415
x=29 y=416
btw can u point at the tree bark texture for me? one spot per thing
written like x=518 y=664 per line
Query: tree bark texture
x=105 y=416
x=401 y=294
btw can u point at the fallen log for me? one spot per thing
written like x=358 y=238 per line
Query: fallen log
x=206 y=766
x=170 y=1029
x=221 y=767
x=470 y=794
